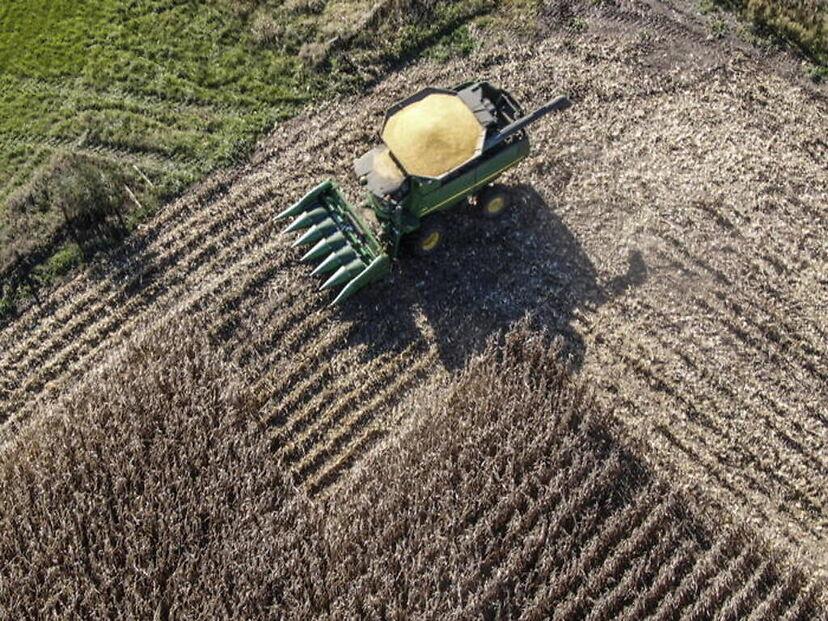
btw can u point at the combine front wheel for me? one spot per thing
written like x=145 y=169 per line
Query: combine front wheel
x=429 y=238
x=493 y=202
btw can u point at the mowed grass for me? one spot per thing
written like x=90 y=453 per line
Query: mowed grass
x=175 y=86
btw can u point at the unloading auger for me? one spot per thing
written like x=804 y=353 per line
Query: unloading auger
x=441 y=148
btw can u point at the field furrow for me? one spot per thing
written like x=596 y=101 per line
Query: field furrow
x=793 y=471
x=505 y=523
x=298 y=377
x=780 y=412
x=178 y=248
x=22 y=173
x=330 y=434
x=70 y=90
x=639 y=571
x=339 y=464
x=801 y=606
x=780 y=599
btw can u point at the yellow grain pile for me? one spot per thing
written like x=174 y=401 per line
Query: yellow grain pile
x=433 y=135
x=385 y=166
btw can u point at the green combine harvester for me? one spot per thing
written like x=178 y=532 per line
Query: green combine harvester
x=441 y=148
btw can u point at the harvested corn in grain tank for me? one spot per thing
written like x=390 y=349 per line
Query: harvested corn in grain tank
x=385 y=166
x=433 y=135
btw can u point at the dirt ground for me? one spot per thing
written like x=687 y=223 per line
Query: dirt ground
x=669 y=228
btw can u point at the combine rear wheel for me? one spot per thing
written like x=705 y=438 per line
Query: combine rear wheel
x=493 y=202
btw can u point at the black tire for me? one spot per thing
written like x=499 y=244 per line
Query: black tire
x=429 y=238
x=493 y=202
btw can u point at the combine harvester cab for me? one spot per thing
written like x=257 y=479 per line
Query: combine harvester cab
x=439 y=148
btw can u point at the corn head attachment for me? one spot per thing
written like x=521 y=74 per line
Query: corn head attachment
x=346 y=251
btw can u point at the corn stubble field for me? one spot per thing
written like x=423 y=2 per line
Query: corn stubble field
x=190 y=430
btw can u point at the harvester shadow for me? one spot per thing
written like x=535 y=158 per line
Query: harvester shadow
x=490 y=274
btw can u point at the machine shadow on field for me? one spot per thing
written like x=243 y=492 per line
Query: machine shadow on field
x=488 y=275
